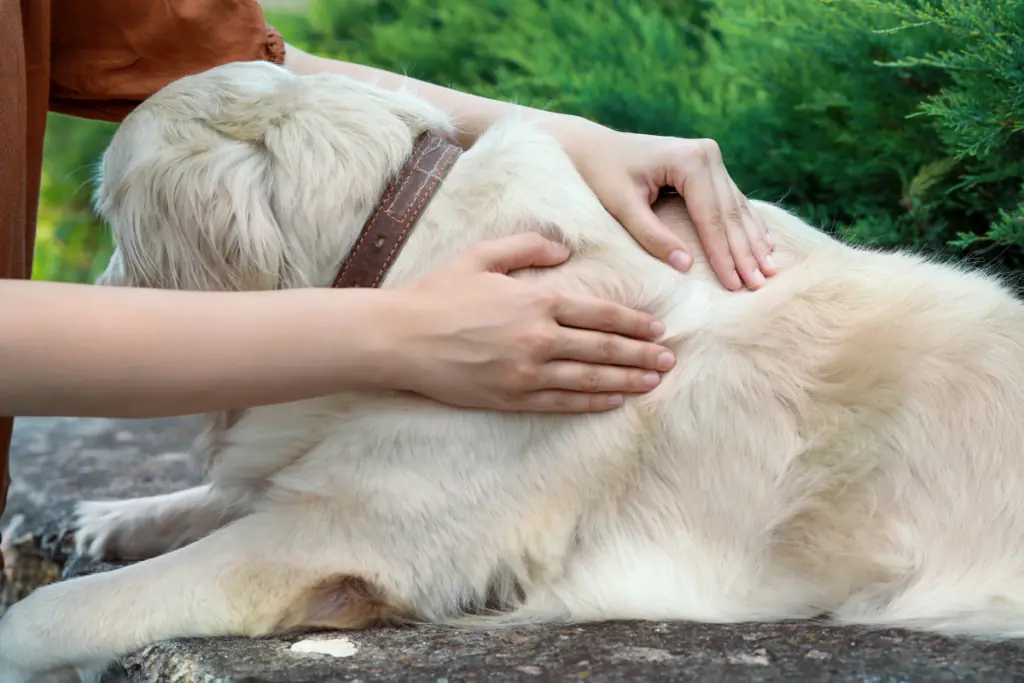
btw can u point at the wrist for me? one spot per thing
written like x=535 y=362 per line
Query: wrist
x=359 y=341
x=575 y=134
x=387 y=339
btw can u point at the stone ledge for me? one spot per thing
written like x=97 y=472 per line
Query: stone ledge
x=57 y=462
x=606 y=653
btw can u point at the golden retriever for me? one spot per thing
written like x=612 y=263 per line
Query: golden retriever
x=847 y=440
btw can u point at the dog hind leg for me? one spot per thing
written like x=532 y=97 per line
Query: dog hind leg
x=988 y=606
x=262 y=574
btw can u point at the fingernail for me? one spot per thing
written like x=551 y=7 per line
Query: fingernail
x=615 y=400
x=758 y=278
x=768 y=239
x=666 y=360
x=561 y=250
x=770 y=261
x=657 y=328
x=680 y=260
x=651 y=379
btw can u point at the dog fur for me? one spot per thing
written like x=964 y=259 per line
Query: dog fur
x=844 y=441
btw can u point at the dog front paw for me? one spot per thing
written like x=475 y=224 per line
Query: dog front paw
x=109 y=672
x=15 y=671
x=60 y=676
x=10 y=673
x=101 y=528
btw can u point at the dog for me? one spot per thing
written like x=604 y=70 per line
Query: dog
x=844 y=441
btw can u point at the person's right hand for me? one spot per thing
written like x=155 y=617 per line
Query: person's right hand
x=474 y=337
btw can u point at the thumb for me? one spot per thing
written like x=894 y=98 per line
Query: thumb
x=525 y=250
x=639 y=220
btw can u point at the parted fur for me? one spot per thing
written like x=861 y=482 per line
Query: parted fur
x=846 y=440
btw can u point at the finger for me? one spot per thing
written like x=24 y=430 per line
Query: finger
x=585 y=346
x=744 y=261
x=762 y=227
x=640 y=221
x=593 y=313
x=558 y=401
x=757 y=235
x=595 y=379
x=525 y=250
x=704 y=204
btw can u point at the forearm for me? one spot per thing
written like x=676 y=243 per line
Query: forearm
x=79 y=350
x=472 y=114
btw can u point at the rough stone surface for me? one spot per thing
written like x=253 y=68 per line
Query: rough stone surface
x=57 y=462
x=615 y=652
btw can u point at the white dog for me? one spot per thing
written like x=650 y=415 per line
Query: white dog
x=846 y=440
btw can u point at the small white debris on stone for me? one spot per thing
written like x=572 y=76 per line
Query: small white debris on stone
x=649 y=654
x=817 y=654
x=335 y=647
x=530 y=669
x=759 y=657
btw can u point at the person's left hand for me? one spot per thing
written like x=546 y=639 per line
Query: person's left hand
x=627 y=171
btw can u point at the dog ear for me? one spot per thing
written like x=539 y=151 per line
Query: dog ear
x=203 y=220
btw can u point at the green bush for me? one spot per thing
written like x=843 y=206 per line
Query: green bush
x=70 y=245
x=897 y=123
x=893 y=123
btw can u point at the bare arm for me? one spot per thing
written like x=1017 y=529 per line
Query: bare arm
x=625 y=170
x=473 y=114
x=464 y=335
x=113 y=351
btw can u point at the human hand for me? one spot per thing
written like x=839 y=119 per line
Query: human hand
x=474 y=337
x=627 y=171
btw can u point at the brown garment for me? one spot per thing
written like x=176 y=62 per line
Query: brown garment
x=97 y=59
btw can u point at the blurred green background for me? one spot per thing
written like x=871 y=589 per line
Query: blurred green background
x=894 y=123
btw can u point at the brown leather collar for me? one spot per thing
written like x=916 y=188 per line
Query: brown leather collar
x=403 y=202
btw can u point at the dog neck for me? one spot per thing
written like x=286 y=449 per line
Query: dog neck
x=404 y=200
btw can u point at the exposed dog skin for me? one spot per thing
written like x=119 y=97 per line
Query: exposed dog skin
x=845 y=440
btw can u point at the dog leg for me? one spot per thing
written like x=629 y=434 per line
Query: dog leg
x=263 y=574
x=141 y=528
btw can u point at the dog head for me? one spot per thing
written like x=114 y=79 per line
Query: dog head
x=251 y=177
